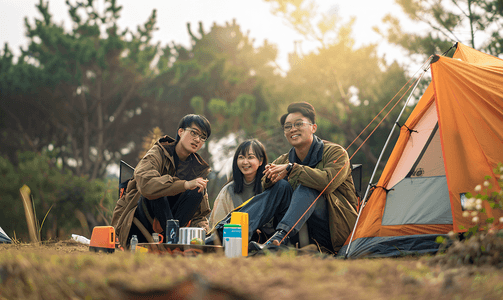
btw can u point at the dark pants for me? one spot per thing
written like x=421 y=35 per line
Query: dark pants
x=271 y=203
x=316 y=217
x=181 y=207
x=287 y=207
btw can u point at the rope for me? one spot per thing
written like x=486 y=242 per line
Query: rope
x=382 y=111
x=422 y=67
x=385 y=116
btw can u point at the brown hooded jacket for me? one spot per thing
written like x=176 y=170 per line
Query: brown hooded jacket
x=155 y=177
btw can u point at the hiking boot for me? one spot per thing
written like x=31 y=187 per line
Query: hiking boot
x=276 y=237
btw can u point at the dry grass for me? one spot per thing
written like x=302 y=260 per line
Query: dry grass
x=67 y=270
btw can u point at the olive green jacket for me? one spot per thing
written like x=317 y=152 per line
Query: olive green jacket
x=154 y=177
x=340 y=193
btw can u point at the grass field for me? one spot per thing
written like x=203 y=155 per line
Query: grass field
x=67 y=270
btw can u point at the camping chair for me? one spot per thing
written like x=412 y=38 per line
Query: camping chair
x=125 y=174
x=356 y=172
x=4 y=238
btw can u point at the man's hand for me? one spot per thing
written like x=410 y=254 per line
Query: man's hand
x=275 y=172
x=198 y=183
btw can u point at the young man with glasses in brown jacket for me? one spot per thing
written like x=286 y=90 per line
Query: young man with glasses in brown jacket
x=169 y=182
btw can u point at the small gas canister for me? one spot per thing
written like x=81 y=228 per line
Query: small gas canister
x=172 y=227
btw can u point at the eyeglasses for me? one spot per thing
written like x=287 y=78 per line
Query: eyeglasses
x=298 y=125
x=195 y=134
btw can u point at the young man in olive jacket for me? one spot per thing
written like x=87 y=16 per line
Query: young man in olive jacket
x=295 y=180
x=168 y=183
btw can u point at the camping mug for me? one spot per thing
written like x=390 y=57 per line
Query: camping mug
x=189 y=233
x=156 y=238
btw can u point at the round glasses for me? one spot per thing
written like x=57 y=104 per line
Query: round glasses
x=195 y=134
x=298 y=125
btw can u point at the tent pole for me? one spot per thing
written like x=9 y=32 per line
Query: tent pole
x=379 y=160
x=389 y=137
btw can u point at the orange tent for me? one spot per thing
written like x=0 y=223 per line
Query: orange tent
x=451 y=140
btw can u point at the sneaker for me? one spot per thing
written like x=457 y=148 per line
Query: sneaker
x=213 y=239
x=276 y=237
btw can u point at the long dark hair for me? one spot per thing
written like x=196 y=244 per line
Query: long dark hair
x=237 y=176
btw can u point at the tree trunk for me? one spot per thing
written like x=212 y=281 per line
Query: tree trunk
x=85 y=142
x=100 y=129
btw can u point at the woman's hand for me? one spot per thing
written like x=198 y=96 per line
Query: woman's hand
x=275 y=172
x=198 y=183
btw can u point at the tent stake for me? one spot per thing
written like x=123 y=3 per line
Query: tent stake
x=380 y=157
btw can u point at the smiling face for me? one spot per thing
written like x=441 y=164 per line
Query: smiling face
x=190 y=141
x=248 y=164
x=301 y=132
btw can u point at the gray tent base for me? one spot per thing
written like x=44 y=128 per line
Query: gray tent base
x=392 y=246
x=4 y=238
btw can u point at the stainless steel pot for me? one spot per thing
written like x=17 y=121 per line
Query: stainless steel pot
x=186 y=234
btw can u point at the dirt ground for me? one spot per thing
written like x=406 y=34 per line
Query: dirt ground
x=68 y=270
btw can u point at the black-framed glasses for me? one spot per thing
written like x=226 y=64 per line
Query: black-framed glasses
x=298 y=125
x=195 y=134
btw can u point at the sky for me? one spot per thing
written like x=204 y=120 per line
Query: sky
x=254 y=16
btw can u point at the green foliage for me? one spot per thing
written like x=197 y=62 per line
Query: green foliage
x=234 y=116
x=243 y=104
x=17 y=78
x=217 y=107
x=474 y=23
x=83 y=86
x=51 y=187
x=307 y=20
x=95 y=90
x=222 y=75
x=197 y=104
x=347 y=85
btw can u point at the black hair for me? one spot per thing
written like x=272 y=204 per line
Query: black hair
x=198 y=120
x=306 y=109
x=237 y=176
